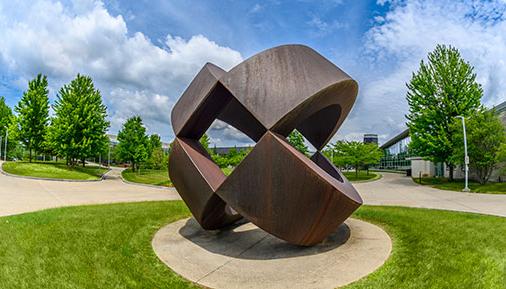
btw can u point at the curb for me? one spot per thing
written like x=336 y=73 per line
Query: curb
x=379 y=177
x=102 y=177
x=145 y=185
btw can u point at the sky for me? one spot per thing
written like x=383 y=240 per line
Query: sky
x=143 y=54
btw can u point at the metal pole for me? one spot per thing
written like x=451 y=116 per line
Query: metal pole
x=5 y=148
x=466 y=157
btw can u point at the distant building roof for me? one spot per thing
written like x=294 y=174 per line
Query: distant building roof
x=226 y=150
x=403 y=134
x=501 y=107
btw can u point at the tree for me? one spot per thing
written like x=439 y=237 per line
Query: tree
x=356 y=154
x=205 y=141
x=155 y=141
x=33 y=114
x=296 y=139
x=133 y=142
x=78 y=130
x=440 y=90
x=8 y=122
x=485 y=135
x=157 y=158
x=5 y=116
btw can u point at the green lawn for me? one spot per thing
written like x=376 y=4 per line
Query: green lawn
x=109 y=246
x=458 y=185
x=148 y=176
x=53 y=170
x=155 y=177
x=362 y=176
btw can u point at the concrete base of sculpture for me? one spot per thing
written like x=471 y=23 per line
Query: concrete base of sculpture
x=244 y=256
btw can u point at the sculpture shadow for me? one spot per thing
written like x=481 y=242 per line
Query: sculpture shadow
x=244 y=240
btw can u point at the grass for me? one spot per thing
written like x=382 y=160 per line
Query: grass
x=458 y=185
x=155 y=177
x=148 y=176
x=53 y=170
x=362 y=176
x=109 y=246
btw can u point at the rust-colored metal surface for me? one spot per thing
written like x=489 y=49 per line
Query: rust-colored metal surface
x=298 y=199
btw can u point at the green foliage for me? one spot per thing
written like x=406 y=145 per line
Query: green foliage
x=157 y=159
x=232 y=158
x=133 y=143
x=5 y=116
x=33 y=114
x=205 y=141
x=155 y=141
x=356 y=154
x=78 y=130
x=8 y=122
x=485 y=135
x=296 y=139
x=440 y=90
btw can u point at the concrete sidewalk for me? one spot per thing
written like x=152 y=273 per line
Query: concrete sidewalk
x=398 y=190
x=20 y=195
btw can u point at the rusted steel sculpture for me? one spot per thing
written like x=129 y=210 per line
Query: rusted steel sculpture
x=298 y=199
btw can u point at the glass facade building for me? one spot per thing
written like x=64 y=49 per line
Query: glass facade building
x=396 y=153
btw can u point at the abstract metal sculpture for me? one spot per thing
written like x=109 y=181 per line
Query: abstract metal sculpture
x=279 y=189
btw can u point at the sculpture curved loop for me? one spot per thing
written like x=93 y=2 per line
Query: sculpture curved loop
x=298 y=199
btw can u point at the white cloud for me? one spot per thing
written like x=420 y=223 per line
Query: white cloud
x=134 y=75
x=398 y=41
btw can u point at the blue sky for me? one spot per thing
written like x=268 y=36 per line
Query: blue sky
x=142 y=54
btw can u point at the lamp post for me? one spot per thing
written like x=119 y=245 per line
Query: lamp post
x=5 y=148
x=466 y=157
x=109 y=157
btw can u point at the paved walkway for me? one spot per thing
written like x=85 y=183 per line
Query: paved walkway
x=20 y=195
x=398 y=190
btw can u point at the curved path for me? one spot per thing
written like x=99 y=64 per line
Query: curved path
x=20 y=195
x=398 y=190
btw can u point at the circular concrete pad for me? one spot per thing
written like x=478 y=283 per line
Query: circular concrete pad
x=245 y=256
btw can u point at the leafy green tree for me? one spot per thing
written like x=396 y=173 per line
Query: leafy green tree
x=155 y=141
x=296 y=139
x=485 y=136
x=5 y=116
x=205 y=141
x=157 y=158
x=356 y=154
x=133 y=142
x=78 y=130
x=8 y=123
x=440 y=90
x=33 y=114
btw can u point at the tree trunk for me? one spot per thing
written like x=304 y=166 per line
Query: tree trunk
x=84 y=162
x=356 y=172
x=30 y=155
x=450 y=176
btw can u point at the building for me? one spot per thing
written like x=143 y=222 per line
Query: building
x=371 y=138
x=397 y=156
x=225 y=150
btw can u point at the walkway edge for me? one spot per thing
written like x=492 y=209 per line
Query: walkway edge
x=51 y=179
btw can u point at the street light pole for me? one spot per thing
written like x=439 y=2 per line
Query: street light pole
x=466 y=157
x=109 y=157
x=5 y=148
